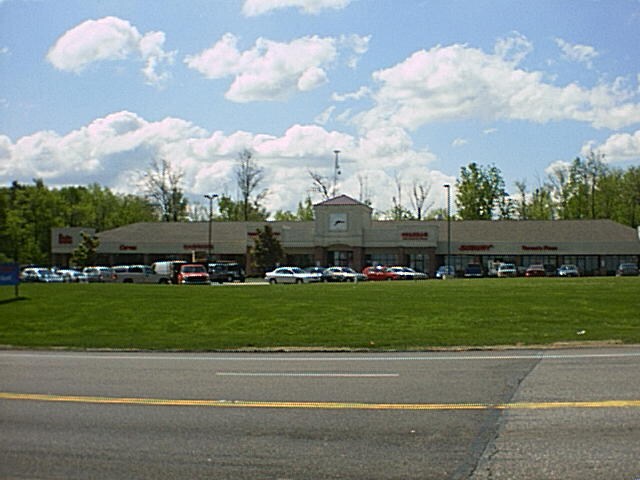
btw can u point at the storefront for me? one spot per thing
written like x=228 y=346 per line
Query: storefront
x=344 y=233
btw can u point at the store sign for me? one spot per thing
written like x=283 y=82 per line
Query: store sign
x=475 y=248
x=415 y=235
x=9 y=274
x=127 y=247
x=65 y=239
x=197 y=246
x=255 y=234
x=539 y=248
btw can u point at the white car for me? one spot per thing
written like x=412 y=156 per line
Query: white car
x=72 y=276
x=291 y=275
x=342 y=274
x=44 y=275
x=507 y=270
x=409 y=273
x=98 y=274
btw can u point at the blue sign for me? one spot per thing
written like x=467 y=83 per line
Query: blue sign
x=9 y=274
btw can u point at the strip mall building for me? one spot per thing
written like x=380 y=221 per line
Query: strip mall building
x=344 y=233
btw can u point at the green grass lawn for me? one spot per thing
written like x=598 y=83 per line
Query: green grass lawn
x=388 y=315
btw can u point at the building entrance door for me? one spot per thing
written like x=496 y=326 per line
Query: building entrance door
x=340 y=258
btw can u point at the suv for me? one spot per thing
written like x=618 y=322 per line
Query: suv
x=473 y=270
x=507 y=270
x=221 y=272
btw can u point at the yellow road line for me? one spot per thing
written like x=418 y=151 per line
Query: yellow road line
x=315 y=405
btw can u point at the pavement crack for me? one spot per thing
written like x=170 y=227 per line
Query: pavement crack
x=483 y=448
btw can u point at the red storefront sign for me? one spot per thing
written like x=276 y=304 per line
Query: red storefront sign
x=475 y=248
x=415 y=235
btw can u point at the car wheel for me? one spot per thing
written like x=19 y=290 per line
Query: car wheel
x=298 y=280
x=272 y=281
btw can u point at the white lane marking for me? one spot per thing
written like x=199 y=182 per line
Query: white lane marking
x=306 y=374
x=284 y=357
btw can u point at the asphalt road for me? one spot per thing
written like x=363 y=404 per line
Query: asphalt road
x=521 y=414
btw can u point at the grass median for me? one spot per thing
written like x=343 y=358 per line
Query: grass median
x=388 y=315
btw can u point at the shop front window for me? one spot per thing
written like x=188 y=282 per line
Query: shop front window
x=419 y=262
x=382 y=259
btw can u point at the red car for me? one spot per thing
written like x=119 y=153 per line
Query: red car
x=535 y=271
x=380 y=273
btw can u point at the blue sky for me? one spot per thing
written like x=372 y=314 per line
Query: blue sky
x=408 y=91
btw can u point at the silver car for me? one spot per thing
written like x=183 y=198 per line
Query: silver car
x=568 y=271
x=291 y=275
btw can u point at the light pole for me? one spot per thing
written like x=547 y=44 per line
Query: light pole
x=210 y=197
x=336 y=172
x=448 y=187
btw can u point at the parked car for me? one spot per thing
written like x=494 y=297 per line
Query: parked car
x=535 y=271
x=415 y=274
x=568 y=271
x=291 y=275
x=221 y=272
x=378 y=273
x=37 y=274
x=473 y=270
x=408 y=273
x=507 y=270
x=190 y=274
x=98 y=274
x=70 y=275
x=318 y=271
x=343 y=274
x=627 y=270
x=401 y=273
x=136 y=274
x=445 y=271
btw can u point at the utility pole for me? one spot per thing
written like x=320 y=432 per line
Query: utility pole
x=210 y=197
x=448 y=187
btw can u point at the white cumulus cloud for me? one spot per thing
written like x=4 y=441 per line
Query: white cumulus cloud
x=115 y=150
x=252 y=8
x=268 y=71
x=111 y=38
x=273 y=70
x=620 y=147
x=576 y=52
x=459 y=82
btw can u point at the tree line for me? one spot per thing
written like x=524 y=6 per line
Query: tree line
x=584 y=189
x=587 y=188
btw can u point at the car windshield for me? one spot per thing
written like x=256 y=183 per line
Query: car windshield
x=193 y=269
x=297 y=270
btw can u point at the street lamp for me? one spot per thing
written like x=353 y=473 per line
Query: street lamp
x=448 y=187
x=210 y=197
x=336 y=172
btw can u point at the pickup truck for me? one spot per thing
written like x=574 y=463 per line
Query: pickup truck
x=190 y=274
x=221 y=272
x=136 y=274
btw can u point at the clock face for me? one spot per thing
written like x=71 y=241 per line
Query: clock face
x=338 y=222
